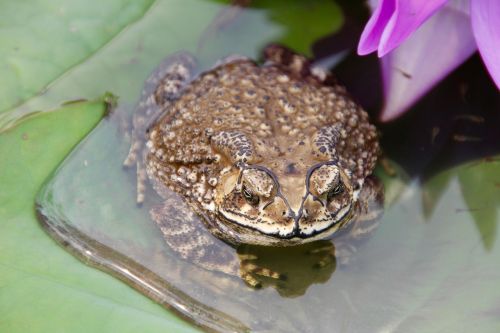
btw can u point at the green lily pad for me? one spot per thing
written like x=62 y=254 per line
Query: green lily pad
x=43 y=39
x=122 y=64
x=42 y=288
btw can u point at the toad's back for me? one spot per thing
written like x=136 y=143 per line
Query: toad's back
x=273 y=155
x=279 y=111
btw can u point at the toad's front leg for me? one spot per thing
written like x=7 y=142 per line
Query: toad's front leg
x=163 y=86
x=185 y=233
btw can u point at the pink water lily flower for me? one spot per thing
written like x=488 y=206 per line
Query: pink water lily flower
x=421 y=41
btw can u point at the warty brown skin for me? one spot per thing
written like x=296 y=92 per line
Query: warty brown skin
x=265 y=155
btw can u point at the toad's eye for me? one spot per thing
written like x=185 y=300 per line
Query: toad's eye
x=251 y=198
x=335 y=191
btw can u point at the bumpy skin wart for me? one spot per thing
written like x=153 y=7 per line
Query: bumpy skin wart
x=267 y=155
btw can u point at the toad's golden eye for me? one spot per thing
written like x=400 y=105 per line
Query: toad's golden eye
x=250 y=197
x=335 y=191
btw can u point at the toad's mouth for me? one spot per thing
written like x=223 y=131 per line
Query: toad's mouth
x=298 y=228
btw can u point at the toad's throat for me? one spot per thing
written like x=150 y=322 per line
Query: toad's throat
x=300 y=227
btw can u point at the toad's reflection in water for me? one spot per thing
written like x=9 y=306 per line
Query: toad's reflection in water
x=299 y=266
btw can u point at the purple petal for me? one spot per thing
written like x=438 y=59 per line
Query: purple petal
x=433 y=51
x=370 y=38
x=407 y=17
x=485 y=17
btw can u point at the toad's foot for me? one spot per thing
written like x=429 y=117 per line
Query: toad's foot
x=186 y=235
x=326 y=255
x=340 y=253
x=162 y=87
x=250 y=272
x=288 y=270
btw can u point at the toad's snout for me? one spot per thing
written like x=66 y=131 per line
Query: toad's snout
x=280 y=213
x=312 y=217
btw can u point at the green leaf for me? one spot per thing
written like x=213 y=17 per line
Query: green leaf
x=42 y=288
x=305 y=21
x=122 y=62
x=302 y=22
x=120 y=65
x=41 y=40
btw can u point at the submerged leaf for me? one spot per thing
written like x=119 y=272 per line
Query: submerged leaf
x=481 y=190
x=432 y=192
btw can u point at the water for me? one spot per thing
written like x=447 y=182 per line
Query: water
x=432 y=265
x=413 y=263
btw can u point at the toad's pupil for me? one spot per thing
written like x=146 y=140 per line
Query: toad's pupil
x=251 y=198
x=247 y=194
x=338 y=189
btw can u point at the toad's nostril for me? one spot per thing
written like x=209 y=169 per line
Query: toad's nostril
x=289 y=214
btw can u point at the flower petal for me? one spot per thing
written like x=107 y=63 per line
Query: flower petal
x=433 y=51
x=370 y=38
x=485 y=17
x=407 y=17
